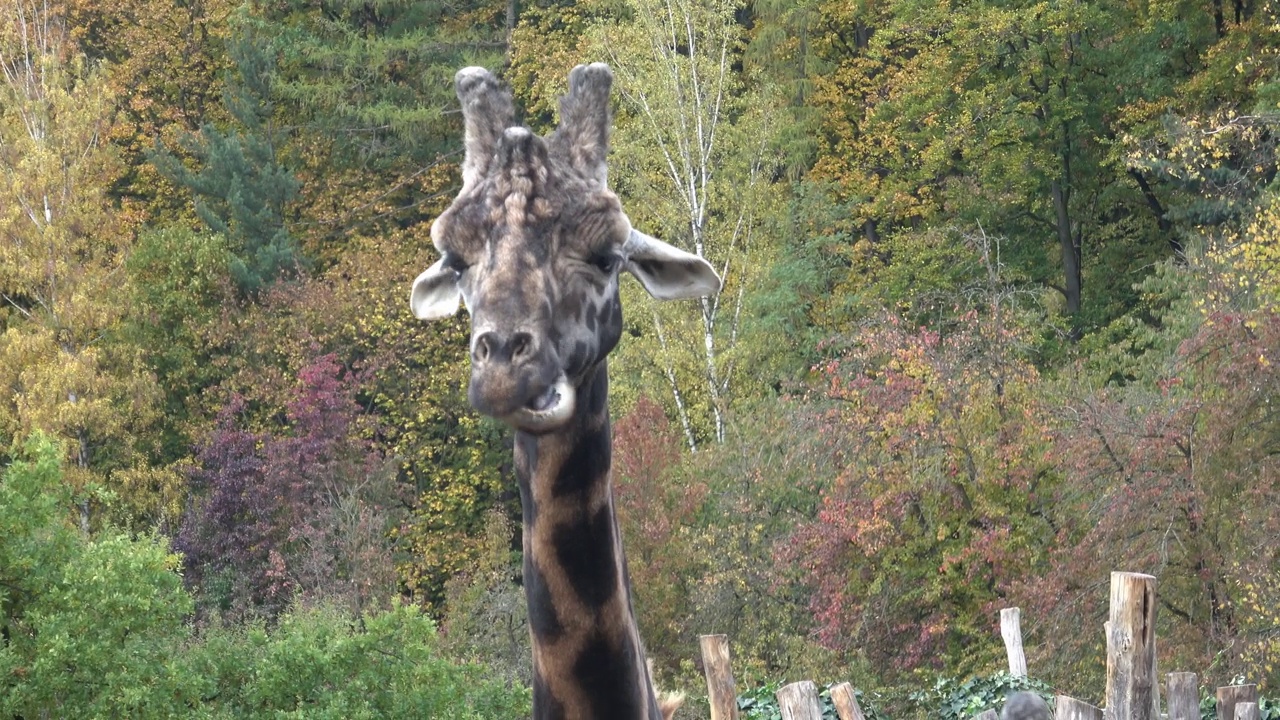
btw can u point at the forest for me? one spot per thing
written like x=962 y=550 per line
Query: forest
x=1001 y=315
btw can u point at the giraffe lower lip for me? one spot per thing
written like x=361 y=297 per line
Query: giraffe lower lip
x=548 y=410
x=546 y=400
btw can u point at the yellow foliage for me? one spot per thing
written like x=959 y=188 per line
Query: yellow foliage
x=1258 y=610
x=61 y=263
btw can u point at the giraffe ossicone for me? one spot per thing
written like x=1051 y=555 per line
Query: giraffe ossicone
x=533 y=246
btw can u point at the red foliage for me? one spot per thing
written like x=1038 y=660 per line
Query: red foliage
x=655 y=509
x=933 y=513
x=278 y=516
x=1177 y=479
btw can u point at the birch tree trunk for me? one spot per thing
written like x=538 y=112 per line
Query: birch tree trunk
x=692 y=146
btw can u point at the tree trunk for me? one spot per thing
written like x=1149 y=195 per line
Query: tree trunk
x=1067 y=244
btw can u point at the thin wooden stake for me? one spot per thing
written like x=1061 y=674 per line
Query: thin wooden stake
x=1011 y=631
x=799 y=701
x=846 y=702
x=1184 y=696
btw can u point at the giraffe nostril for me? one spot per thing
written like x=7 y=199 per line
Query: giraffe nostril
x=481 y=351
x=521 y=345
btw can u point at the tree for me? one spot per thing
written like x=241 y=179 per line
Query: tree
x=1171 y=477
x=242 y=188
x=302 y=514
x=100 y=627
x=164 y=61
x=324 y=663
x=1004 y=115
x=63 y=243
x=90 y=626
x=694 y=160
x=367 y=94
x=410 y=385
x=942 y=484
x=178 y=291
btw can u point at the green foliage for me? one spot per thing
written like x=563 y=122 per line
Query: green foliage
x=242 y=188
x=99 y=627
x=950 y=699
x=91 y=625
x=322 y=663
x=179 y=285
x=34 y=526
x=761 y=703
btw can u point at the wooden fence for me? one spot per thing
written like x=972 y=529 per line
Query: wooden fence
x=1132 y=690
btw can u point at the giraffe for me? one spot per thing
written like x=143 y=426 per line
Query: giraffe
x=533 y=246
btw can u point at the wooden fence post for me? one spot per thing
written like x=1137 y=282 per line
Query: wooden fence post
x=721 y=691
x=1184 y=696
x=1232 y=695
x=1247 y=711
x=846 y=702
x=1069 y=708
x=1131 y=647
x=1011 y=631
x=799 y=701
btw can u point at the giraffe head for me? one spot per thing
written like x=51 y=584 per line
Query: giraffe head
x=534 y=246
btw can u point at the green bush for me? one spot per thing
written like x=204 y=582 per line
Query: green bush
x=951 y=699
x=100 y=627
x=319 y=663
x=761 y=703
x=1267 y=709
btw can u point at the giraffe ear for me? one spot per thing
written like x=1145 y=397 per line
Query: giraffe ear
x=667 y=272
x=435 y=293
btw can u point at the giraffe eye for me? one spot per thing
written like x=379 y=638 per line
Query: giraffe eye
x=606 y=262
x=455 y=263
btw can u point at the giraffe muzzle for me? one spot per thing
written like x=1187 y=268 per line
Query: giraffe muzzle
x=518 y=380
x=520 y=402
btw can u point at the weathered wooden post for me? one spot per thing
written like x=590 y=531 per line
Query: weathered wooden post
x=1232 y=695
x=846 y=702
x=799 y=701
x=1131 y=647
x=721 y=690
x=1011 y=631
x=1184 y=696
x=1069 y=708
x=1247 y=711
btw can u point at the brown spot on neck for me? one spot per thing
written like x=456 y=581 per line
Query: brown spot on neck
x=588 y=657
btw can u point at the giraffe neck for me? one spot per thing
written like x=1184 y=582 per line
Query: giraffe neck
x=588 y=661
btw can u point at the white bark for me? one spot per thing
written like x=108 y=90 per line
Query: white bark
x=679 y=77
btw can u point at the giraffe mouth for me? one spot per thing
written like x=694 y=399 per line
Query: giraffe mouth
x=549 y=409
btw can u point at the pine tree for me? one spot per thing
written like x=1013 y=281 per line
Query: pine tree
x=242 y=188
